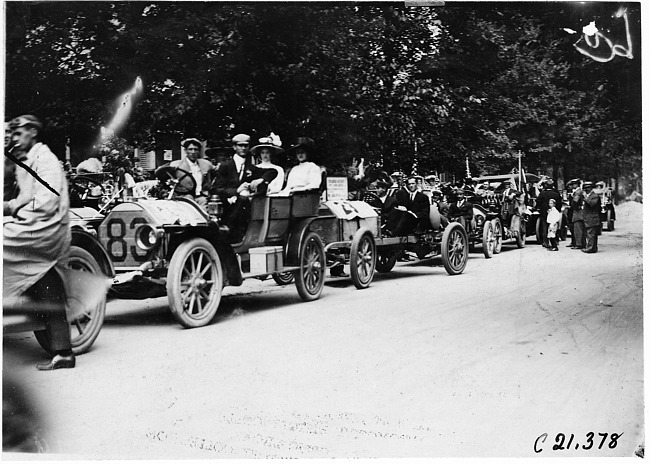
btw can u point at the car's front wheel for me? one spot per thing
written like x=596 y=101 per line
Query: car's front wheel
x=85 y=327
x=498 y=236
x=362 y=258
x=454 y=248
x=310 y=277
x=194 y=283
x=488 y=239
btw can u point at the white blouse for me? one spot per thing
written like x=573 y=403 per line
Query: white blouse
x=305 y=176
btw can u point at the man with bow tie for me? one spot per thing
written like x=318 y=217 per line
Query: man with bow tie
x=236 y=180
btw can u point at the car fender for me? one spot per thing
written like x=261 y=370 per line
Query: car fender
x=298 y=232
x=88 y=242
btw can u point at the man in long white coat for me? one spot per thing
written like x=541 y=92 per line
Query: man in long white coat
x=37 y=238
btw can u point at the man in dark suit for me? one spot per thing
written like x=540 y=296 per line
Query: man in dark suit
x=236 y=180
x=462 y=210
x=591 y=214
x=412 y=210
x=542 y=206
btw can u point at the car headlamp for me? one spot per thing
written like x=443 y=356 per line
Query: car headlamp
x=146 y=238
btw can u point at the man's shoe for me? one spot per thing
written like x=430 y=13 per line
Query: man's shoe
x=554 y=249
x=584 y=250
x=58 y=362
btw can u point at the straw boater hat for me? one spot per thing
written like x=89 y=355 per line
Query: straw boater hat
x=272 y=142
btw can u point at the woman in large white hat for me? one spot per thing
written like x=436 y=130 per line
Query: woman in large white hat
x=265 y=149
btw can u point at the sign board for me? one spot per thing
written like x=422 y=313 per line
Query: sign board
x=337 y=188
x=167 y=155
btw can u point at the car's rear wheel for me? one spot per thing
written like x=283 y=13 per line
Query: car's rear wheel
x=362 y=258
x=310 y=278
x=498 y=236
x=518 y=226
x=85 y=328
x=194 y=283
x=488 y=239
x=455 y=248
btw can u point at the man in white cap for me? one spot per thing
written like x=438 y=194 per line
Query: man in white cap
x=201 y=169
x=236 y=180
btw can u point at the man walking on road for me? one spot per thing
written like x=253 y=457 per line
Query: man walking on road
x=578 y=218
x=37 y=238
x=591 y=212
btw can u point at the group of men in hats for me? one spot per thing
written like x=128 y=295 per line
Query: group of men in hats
x=584 y=216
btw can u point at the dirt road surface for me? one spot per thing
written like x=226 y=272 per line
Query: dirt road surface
x=495 y=362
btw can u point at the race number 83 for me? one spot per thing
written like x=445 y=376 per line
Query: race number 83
x=121 y=239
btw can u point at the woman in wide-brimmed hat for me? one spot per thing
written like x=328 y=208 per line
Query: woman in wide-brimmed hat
x=306 y=175
x=265 y=149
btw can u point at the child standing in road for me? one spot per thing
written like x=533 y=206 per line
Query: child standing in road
x=553 y=217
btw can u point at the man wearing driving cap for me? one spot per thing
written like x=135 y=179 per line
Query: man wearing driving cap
x=37 y=237
x=201 y=169
x=591 y=213
x=236 y=179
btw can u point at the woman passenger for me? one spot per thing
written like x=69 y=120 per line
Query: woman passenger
x=267 y=147
x=305 y=175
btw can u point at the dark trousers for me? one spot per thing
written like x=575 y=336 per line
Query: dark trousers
x=573 y=234
x=401 y=222
x=50 y=290
x=579 y=232
x=237 y=216
x=592 y=238
x=543 y=231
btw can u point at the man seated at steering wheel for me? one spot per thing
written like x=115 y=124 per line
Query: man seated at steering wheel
x=201 y=171
x=461 y=210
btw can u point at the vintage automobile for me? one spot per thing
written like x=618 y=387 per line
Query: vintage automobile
x=351 y=230
x=508 y=223
x=87 y=255
x=94 y=190
x=171 y=245
x=481 y=230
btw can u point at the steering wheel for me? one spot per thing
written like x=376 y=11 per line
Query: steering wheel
x=81 y=190
x=172 y=177
x=372 y=199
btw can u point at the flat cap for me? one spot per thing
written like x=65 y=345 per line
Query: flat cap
x=241 y=138
x=25 y=120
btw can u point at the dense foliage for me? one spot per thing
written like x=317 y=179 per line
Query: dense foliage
x=402 y=86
